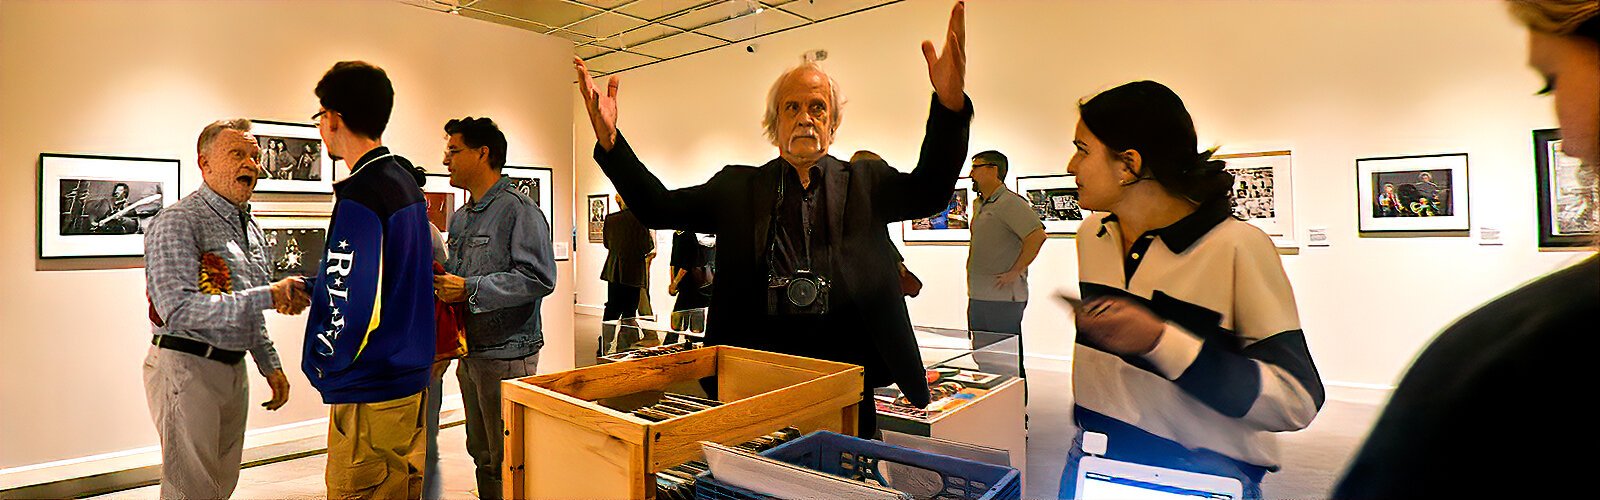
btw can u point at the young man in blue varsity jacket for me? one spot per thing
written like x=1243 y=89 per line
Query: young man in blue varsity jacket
x=370 y=333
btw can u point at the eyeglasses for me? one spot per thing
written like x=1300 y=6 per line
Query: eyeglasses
x=318 y=115
x=976 y=165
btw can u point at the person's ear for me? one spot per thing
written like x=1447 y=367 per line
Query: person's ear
x=1133 y=165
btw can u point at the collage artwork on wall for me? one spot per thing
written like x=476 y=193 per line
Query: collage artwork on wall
x=949 y=225
x=1567 y=215
x=1263 y=192
x=1055 y=199
x=100 y=206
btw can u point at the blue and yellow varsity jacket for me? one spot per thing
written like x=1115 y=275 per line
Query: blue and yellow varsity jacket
x=369 y=332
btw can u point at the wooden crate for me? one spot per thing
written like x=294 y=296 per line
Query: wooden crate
x=561 y=444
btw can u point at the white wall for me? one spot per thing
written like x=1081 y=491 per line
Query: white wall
x=141 y=79
x=1331 y=80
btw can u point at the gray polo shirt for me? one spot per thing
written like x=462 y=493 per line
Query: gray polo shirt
x=1000 y=222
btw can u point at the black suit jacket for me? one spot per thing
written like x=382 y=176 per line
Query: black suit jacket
x=862 y=199
x=627 y=242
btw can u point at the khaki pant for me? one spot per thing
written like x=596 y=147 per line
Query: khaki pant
x=376 y=450
x=198 y=406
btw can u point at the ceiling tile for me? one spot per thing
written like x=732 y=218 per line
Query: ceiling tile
x=642 y=35
x=605 y=25
x=554 y=13
x=604 y=4
x=589 y=51
x=752 y=26
x=616 y=61
x=713 y=13
x=652 y=9
x=818 y=10
x=677 y=45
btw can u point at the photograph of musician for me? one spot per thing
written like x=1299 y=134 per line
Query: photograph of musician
x=107 y=207
x=1389 y=202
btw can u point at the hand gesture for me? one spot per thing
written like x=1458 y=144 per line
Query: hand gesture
x=947 y=71
x=280 y=390
x=1119 y=326
x=602 y=107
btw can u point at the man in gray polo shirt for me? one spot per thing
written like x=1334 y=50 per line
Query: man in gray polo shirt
x=1006 y=236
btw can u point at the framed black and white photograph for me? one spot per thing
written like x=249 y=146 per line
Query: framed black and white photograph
x=599 y=208
x=1263 y=193
x=295 y=245
x=1567 y=213
x=100 y=206
x=443 y=200
x=1055 y=200
x=1413 y=193
x=292 y=158
x=949 y=225
x=538 y=183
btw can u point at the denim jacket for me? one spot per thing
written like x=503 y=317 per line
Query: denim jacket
x=501 y=245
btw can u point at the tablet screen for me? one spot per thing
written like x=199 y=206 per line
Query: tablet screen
x=1105 y=487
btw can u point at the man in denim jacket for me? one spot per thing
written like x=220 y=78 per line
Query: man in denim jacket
x=500 y=268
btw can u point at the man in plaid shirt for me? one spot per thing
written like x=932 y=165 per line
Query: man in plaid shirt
x=208 y=280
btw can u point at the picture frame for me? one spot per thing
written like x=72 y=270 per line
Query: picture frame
x=1567 y=215
x=949 y=225
x=1413 y=193
x=599 y=206
x=100 y=206
x=295 y=244
x=293 y=158
x=538 y=183
x=443 y=201
x=1055 y=200
x=1263 y=192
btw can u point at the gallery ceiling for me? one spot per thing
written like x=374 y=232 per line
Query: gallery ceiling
x=618 y=35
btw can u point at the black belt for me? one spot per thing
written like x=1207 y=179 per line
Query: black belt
x=197 y=348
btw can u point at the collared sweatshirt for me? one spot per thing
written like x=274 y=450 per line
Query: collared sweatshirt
x=370 y=330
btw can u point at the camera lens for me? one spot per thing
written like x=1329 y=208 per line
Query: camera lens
x=802 y=292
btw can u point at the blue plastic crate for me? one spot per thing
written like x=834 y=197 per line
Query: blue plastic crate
x=859 y=459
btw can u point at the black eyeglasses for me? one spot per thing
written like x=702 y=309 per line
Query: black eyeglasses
x=976 y=165
x=318 y=115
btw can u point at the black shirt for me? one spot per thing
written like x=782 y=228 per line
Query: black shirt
x=801 y=222
x=1490 y=408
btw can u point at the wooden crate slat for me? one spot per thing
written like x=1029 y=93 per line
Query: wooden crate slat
x=623 y=378
x=576 y=411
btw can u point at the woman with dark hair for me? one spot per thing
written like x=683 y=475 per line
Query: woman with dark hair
x=1493 y=396
x=1190 y=354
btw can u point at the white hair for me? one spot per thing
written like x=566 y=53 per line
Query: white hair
x=209 y=134
x=769 y=121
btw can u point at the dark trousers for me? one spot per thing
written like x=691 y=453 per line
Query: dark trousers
x=997 y=317
x=622 y=301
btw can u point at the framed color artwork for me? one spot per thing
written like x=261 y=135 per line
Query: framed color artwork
x=1413 y=193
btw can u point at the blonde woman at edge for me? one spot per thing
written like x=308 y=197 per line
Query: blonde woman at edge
x=1489 y=409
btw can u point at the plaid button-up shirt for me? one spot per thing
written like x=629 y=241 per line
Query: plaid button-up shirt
x=201 y=223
